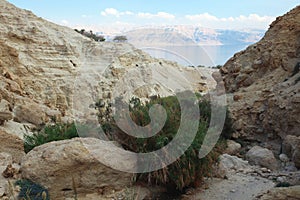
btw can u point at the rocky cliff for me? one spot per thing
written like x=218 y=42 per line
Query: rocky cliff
x=263 y=83
x=45 y=67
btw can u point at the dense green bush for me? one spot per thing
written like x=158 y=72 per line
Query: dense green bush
x=32 y=191
x=50 y=133
x=188 y=169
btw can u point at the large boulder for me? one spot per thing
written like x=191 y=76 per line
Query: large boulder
x=30 y=113
x=13 y=145
x=291 y=147
x=263 y=157
x=67 y=165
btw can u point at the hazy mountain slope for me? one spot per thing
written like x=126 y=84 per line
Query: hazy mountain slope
x=191 y=35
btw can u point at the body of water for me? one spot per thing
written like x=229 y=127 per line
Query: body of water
x=196 y=55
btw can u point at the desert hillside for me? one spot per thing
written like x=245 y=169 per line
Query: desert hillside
x=44 y=67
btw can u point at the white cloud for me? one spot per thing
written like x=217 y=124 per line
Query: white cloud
x=86 y=16
x=109 y=11
x=64 y=22
x=250 y=21
x=204 y=16
x=162 y=15
x=114 y=12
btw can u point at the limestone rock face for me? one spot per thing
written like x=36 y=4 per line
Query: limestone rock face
x=61 y=166
x=13 y=145
x=263 y=84
x=263 y=157
x=47 y=71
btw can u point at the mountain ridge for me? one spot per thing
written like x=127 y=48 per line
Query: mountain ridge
x=186 y=35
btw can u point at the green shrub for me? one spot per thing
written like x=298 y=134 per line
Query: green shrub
x=283 y=184
x=48 y=134
x=120 y=38
x=188 y=169
x=90 y=34
x=32 y=191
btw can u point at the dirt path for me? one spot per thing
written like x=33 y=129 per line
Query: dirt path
x=238 y=186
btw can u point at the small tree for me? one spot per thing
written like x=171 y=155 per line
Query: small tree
x=100 y=38
x=120 y=38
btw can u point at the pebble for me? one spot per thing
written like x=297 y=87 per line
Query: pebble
x=280 y=179
x=284 y=158
x=264 y=169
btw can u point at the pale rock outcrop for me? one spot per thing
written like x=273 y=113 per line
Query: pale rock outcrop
x=283 y=193
x=263 y=157
x=262 y=83
x=230 y=164
x=18 y=129
x=13 y=145
x=55 y=165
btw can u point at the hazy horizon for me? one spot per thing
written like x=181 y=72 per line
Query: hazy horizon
x=116 y=14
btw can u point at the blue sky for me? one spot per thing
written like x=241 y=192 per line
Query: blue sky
x=96 y=14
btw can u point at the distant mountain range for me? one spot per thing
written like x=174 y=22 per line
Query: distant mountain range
x=187 y=35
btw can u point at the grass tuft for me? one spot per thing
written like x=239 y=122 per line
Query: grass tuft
x=186 y=171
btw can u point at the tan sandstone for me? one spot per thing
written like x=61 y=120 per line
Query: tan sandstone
x=69 y=166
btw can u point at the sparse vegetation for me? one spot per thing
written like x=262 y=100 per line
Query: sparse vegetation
x=217 y=67
x=283 y=184
x=188 y=169
x=32 y=191
x=120 y=38
x=48 y=134
x=90 y=34
x=212 y=67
